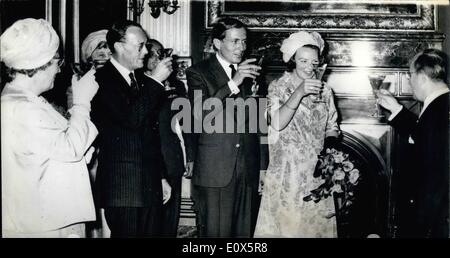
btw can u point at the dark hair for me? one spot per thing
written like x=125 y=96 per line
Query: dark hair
x=291 y=63
x=433 y=63
x=151 y=43
x=224 y=24
x=118 y=31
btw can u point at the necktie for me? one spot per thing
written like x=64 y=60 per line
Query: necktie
x=134 y=85
x=233 y=71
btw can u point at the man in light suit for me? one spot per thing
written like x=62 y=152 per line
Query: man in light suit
x=130 y=182
x=425 y=188
x=226 y=164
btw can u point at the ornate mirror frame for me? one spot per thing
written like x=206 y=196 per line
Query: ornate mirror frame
x=326 y=15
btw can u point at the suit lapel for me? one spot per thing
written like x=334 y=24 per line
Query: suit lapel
x=432 y=112
x=217 y=72
x=115 y=78
x=435 y=104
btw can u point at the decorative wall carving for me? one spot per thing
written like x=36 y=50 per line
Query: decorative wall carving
x=324 y=16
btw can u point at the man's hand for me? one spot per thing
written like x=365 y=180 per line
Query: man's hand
x=167 y=190
x=163 y=69
x=189 y=169
x=386 y=100
x=246 y=70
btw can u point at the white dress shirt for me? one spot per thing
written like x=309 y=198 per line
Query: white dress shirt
x=226 y=66
x=122 y=70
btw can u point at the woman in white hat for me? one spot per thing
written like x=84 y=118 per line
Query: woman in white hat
x=45 y=183
x=298 y=128
x=94 y=50
x=94 y=54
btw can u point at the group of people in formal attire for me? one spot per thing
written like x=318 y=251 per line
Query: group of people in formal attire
x=119 y=147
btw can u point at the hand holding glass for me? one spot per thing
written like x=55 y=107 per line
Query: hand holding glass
x=320 y=71
x=376 y=81
x=255 y=85
x=166 y=52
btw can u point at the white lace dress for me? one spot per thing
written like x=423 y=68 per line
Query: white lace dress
x=293 y=156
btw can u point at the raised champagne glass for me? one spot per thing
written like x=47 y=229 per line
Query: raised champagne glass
x=376 y=81
x=163 y=53
x=255 y=84
x=319 y=72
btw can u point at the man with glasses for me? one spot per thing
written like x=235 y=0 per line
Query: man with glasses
x=226 y=164
x=423 y=189
x=45 y=182
x=130 y=182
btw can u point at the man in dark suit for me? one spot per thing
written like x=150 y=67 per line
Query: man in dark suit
x=226 y=160
x=129 y=184
x=170 y=132
x=425 y=188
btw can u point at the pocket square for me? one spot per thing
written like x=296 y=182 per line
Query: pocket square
x=410 y=140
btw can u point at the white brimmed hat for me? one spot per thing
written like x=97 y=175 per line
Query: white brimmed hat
x=298 y=40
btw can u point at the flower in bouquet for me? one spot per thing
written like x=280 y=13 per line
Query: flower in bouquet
x=340 y=176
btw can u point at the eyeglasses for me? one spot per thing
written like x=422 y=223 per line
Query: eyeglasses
x=140 y=47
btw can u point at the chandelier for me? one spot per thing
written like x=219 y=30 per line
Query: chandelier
x=167 y=6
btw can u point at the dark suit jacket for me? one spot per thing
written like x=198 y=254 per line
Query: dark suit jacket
x=217 y=155
x=427 y=185
x=170 y=143
x=130 y=162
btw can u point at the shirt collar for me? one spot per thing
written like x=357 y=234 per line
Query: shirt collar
x=432 y=97
x=122 y=70
x=225 y=64
x=151 y=77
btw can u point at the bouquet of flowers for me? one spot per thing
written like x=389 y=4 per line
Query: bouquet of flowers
x=340 y=176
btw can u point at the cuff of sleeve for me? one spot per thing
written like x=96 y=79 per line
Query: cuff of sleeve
x=233 y=87
x=80 y=109
x=395 y=113
x=333 y=133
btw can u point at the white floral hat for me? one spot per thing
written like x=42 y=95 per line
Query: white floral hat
x=91 y=42
x=28 y=44
x=298 y=40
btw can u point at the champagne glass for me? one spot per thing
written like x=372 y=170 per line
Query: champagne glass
x=320 y=71
x=166 y=52
x=376 y=80
x=77 y=70
x=255 y=85
x=163 y=53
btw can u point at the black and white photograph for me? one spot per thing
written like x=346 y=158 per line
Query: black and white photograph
x=225 y=125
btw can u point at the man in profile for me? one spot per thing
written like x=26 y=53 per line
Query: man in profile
x=130 y=182
x=426 y=186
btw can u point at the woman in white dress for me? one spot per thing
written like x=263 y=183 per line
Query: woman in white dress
x=45 y=182
x=299 y=125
